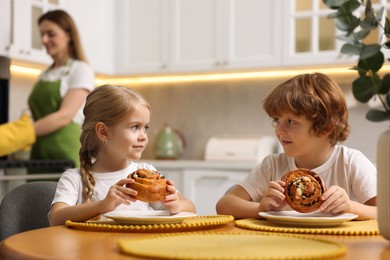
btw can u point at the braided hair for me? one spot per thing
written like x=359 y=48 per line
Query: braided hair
x=108 y=104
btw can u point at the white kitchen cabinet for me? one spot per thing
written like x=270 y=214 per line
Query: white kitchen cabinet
x=309 y=37
x=94 y=21
x=206 y=186
x=22 y=39
x=196 y=35
x=141 y=41
x=221 y=34
x=203 y=182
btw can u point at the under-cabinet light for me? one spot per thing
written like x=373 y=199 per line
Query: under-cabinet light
x=202 y=77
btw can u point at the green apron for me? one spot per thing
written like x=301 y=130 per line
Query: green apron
x=63 y=144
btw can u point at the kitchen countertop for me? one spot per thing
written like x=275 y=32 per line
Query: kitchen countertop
x=202 y=164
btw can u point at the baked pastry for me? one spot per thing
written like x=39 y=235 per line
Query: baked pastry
x=303 y=190
x=150 y=185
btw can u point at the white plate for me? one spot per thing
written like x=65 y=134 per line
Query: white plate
x=313 y=219
x=139 y=217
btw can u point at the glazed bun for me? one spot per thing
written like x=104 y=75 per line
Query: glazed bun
x=303 y=190
x=150 y=185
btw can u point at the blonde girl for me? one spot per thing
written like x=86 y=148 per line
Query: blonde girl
x=113 y=134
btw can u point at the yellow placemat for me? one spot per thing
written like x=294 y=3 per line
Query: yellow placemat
x=193 y=223
x=214 y=245
x=367 y=227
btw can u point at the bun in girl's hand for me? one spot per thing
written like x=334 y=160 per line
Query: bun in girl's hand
x=303 y=190
x=150 y=185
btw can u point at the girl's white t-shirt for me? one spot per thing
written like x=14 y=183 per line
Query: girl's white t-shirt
x=346 y=167
x=70 y=187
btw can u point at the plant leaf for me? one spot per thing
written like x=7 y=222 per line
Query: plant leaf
x=385 y=86
x=334 y=4
x=370 y=20
x=376 y=115
x=354 y=37
x=351 y=49
x=387 y=27
x=369 y=51
x=363 y=88
x=373 y=63
x=347 y=23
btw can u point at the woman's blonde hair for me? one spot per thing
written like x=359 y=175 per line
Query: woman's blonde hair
x=318 y=98
x=65 y=21
x=108 y=104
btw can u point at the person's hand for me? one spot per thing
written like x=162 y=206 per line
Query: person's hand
x=172 y=200
x=336 y=201
x=119 y=194
x=274 y=198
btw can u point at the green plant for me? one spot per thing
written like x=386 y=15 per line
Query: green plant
x=355 y=27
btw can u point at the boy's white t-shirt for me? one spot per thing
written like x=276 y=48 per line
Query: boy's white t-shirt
x=346 y=167
x=70 y=187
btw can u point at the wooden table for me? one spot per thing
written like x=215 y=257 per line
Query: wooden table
x=61 y=242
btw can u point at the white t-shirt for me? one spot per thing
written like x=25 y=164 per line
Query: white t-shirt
x=346 y=167
x=74 y=74
x=70 y=187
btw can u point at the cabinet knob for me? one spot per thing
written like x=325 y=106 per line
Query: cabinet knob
x=163 y=66
x=217 y=63
x=225 y=63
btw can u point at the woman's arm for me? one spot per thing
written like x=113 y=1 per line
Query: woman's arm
x=71 y=103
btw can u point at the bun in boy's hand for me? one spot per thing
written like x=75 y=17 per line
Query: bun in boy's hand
x=303 y=190
x=150 y=185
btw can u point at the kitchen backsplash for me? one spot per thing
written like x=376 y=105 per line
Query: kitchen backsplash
x=203 y=109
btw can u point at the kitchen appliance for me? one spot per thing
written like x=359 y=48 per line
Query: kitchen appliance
x=169 y=143
x=240 y=148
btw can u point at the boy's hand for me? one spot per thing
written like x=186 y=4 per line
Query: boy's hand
x=274 y=198
x=336 y=201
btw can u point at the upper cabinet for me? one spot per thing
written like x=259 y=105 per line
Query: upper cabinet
x=141 y=41
x=309 y=37
x=130 y=37
x=20 y=34
x=94 y=21
x=224 y=34
x=196 y=35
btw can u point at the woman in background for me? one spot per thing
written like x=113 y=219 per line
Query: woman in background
x=58 y=97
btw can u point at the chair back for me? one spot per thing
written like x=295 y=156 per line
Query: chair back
x=26 y=207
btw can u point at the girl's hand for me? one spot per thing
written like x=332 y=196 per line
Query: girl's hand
x=119 y=194
x=274 y=198
x=336 y=201
x=172 y=200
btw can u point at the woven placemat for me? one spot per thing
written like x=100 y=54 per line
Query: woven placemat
x=193 y=223
x=237 y=246
x=367 y=227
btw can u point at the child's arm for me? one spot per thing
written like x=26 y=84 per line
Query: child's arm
x=117 y=194
x=337 y=201
x=175 y=202
x=239 y=204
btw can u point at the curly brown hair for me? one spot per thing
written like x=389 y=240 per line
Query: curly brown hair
x=315 y=96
